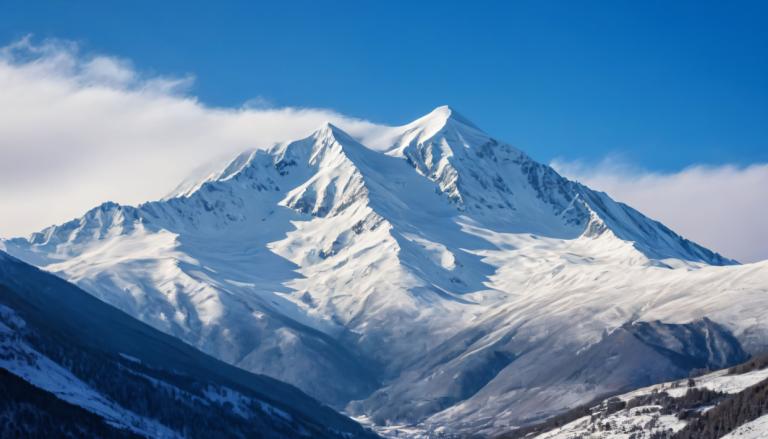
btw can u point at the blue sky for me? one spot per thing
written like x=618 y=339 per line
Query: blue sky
x=661 y=84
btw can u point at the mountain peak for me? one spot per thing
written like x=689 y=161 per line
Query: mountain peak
x=446 y=114
x=327 y=126
x=442 y=111
x=329 y=130
x=440 y=118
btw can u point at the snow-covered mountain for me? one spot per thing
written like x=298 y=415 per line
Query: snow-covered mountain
x=427 y=275
x=73 y=366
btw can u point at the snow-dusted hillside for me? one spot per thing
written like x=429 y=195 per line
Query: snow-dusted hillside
x=71 y=363
x=662 y=411
x=757 y=429
x=429 y=275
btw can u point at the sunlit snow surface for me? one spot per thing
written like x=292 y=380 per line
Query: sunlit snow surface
x=429 y=275
x=757 y=429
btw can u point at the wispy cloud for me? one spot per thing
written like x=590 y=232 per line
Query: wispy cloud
x=722 y=207
x=79 y=129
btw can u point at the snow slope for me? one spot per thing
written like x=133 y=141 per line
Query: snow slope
x=64 y=342
x=429 y=275
x=757 y=429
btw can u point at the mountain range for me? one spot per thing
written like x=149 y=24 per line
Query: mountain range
x=427 y=277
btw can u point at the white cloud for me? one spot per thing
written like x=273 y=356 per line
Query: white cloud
x=76 y=130
x=723 y=208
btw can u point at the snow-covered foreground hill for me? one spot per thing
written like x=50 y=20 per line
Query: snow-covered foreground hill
x=429 y=276
x=73 y=366
x=727 y=403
